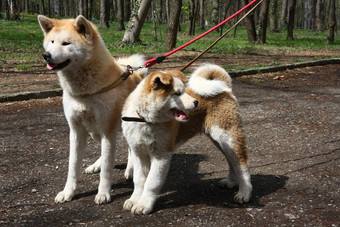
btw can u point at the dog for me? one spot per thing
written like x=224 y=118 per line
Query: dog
x=87 y=71
x=163 y=112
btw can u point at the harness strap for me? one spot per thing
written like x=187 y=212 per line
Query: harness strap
x=124 y=76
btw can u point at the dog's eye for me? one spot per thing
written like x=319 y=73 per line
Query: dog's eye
x=52 y=41
x=178 y=94
x=65 y=43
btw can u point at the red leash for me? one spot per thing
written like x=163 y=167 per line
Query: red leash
x=161 y=58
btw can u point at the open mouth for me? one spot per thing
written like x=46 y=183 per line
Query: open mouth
x=59 y=66
x=179 y=115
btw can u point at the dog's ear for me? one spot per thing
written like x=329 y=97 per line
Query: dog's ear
x=46 y=23
x=162 y=80
x=179 y=74
x=84 y=27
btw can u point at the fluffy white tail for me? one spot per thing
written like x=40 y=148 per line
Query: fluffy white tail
x=135 y=60
x=210 y=80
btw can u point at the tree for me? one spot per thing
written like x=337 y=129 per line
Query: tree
x=201 y=17
x=263 y=22
x=250 y=25
x=331 y=21
x=215 y=10
x=14 y=11
x=120 y=15
x=291 y=15
x=173 y=23
x=192 y=17
x=319 y=19
x=274 y=16
x=136 y=22
x=104 y=14
x=284 y=13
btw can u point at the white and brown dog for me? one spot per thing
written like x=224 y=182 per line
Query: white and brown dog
x=161 y=114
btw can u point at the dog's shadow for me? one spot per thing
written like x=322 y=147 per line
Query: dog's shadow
x=185 y=186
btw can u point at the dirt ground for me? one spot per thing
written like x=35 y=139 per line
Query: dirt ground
x=292 y=124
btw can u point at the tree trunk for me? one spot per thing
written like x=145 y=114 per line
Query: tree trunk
x=215 y=10
x=284 y=13
x=273 y=21
x=127 y=10
x=104 y=14
x=6 y=9
x=120 y=15
x=319 y=9
x=291 y=15
x=331 y=21
x=136 y=22
x=173 y=22
x=250 y=25
x=201 y=18
x=14 y=12
x=263 y=22
x=42 y=7
x=81 y=7
x=191 y=29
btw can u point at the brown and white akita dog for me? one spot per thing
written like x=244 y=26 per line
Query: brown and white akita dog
x=168 y=113
x=86 y=69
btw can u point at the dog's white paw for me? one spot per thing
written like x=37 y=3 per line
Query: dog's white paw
x=94 y=168
x=63 y=197
x=128 y=204
x=241 y=197
x=227 y=183
x=141 y=209
x=102 y=198
x=128 y=173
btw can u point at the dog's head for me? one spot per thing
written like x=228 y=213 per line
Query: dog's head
x=67 y=42
x=165 y=97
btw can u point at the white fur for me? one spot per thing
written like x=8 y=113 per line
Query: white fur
x=204 y=87
x=86 y=112
x=238 y=175
x=149 y=155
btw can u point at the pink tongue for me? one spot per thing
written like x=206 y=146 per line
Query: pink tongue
x=51 y=66
x=181 y=116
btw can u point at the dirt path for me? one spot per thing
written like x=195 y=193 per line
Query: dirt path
x=292 y=124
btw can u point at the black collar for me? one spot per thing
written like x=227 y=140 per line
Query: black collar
x=134 y=119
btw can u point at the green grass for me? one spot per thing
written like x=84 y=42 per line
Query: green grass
x=22 y=41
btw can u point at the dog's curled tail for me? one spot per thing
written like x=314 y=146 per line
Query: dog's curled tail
x=135 y=60
x=209 y=80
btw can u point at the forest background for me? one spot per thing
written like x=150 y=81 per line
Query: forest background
x=129 y=26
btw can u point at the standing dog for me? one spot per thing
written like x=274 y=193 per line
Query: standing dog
x=86 y=71
x=160 y=104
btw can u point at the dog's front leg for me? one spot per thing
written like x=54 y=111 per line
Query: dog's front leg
x=78 y=137
x=141 y=167
x=160 y=164
x=107 y=161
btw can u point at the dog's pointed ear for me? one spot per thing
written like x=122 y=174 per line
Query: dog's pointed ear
x=162 y=80
x=84 y=27
x=46 y=23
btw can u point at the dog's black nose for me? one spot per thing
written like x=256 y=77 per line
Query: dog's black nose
x=196 y=103
x=47 y=56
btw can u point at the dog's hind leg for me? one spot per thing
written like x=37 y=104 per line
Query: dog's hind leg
x=78 y=137
x=94 y=168
x=232 y=146
x=129 y=167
